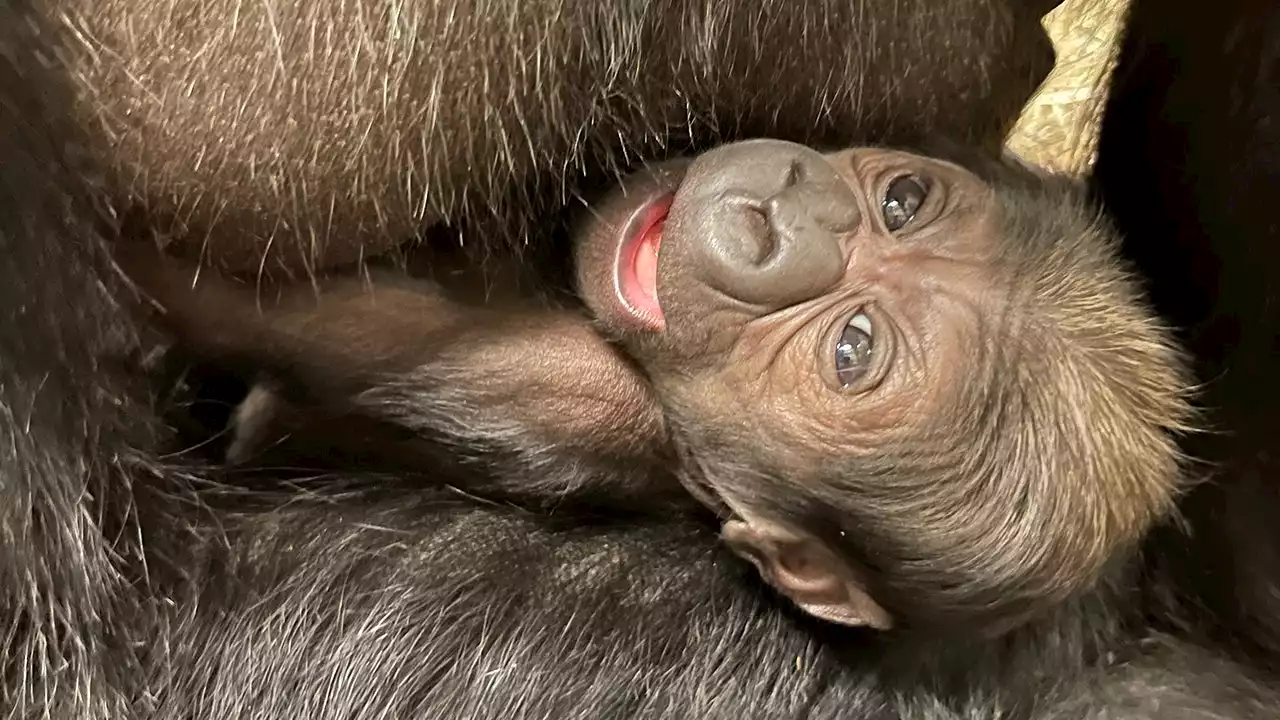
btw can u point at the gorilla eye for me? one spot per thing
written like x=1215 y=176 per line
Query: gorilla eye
x=853 y=351
x=904 y=197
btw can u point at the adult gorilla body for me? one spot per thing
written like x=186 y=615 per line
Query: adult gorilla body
x=133 y=587
x=253 y=134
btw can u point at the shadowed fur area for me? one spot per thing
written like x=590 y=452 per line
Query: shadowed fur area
x=1190 y=169
x=532 y=618
x=63 y=559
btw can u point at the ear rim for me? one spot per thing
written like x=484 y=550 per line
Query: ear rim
x=839 y=596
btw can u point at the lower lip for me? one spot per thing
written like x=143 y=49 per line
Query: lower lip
x=641 y=305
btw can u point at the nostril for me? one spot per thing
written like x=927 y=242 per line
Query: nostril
x=759 y=227
x=762 y=230
x=795 y=174
x=810 y=213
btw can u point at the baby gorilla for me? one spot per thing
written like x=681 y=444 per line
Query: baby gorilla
x=916 y=393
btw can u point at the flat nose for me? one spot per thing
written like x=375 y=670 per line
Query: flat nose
x=774 y=218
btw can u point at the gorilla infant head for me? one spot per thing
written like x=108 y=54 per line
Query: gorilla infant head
x=902 y=379
x=917 y=392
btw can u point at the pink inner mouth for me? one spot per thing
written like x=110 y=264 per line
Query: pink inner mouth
x=638 y=266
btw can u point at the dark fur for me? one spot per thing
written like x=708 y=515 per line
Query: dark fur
x=129 y=588
x=317 y=134
x=72 y=427
x=438 y=608
x=1190 y=167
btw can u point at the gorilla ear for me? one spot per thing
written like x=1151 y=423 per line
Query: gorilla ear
x=801 y=567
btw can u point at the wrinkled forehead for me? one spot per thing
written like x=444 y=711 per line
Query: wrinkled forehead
x=867 y=160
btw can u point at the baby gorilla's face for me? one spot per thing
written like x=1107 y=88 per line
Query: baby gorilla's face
x=915 y=388
x=805 y=303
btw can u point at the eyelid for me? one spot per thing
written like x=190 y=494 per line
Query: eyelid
x=867 y=327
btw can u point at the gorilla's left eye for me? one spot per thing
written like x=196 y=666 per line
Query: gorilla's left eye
x=902 y=200
x=853 y=350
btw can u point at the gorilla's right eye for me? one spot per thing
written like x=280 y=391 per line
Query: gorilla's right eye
x=902 y=200
x=853 y=350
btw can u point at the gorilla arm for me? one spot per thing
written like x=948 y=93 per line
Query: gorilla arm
x=395 y=373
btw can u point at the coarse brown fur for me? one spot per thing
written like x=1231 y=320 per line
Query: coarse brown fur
x=246 y=133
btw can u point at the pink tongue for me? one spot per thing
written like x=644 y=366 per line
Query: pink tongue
x=647 y=270
x=638 y=277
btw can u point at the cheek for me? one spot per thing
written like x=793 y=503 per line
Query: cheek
x=769 y=380
x=842 y=429
x=782 y=422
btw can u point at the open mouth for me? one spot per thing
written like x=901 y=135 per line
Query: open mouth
x=636 y=274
